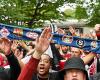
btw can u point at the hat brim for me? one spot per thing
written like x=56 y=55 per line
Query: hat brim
x=62 y=72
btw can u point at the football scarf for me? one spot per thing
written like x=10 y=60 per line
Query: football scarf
x=17 y=33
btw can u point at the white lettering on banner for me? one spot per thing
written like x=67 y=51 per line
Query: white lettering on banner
x=32 y=35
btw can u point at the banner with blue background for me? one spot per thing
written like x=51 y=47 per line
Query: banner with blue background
x=18 y=33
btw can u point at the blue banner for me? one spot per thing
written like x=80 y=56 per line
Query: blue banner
x=17 y=33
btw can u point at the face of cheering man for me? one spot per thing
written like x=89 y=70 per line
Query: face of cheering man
x=64 y=49
x=75 y=52
x=97 y=27
x=74 y=74
x=44 y=65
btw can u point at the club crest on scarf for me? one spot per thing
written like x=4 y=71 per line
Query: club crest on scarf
x=94 y=44
x=67 y=39
x=4 y=32
x=32 y=35
x=18 y=32
x=80 y=43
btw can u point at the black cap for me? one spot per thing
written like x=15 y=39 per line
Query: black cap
x=75 y=63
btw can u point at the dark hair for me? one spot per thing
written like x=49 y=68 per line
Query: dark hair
x=49 y=57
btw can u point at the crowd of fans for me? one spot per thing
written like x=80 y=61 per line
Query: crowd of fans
x=42 y=59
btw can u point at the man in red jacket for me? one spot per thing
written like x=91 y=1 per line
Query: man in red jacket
x=42 y=43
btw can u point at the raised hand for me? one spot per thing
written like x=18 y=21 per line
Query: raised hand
x=60 y=31
x=14 y=45
x=18 y=54
x=42 y=43
x=72 y=30
x=5 y=46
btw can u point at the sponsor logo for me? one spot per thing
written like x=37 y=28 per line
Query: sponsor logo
x=18 y=32
x=80 y=43
x=94 y=44
x=32 y=35
x=67 y=39
x=4 y=32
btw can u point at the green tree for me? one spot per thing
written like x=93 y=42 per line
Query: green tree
x=34 y=12
x=80 y=13
x=29 y=11
x=94 y=17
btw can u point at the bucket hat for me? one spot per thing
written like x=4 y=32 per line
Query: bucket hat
x=74 y=63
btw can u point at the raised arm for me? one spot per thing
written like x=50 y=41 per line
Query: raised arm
x=88 y=57
x=5 y=46
x=42 y=43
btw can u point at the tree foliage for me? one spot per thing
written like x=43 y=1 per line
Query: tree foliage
x=80 y=13
x=29 y=11
x=33 y=12
x=87 y=9
x=95 y=15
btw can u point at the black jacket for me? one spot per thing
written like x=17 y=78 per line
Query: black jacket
x=52 y=76
x=13 y=72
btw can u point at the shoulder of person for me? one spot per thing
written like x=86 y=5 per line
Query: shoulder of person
x=53 y=75
x=96 y=76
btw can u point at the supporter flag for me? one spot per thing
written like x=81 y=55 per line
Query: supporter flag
x=14 y=32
